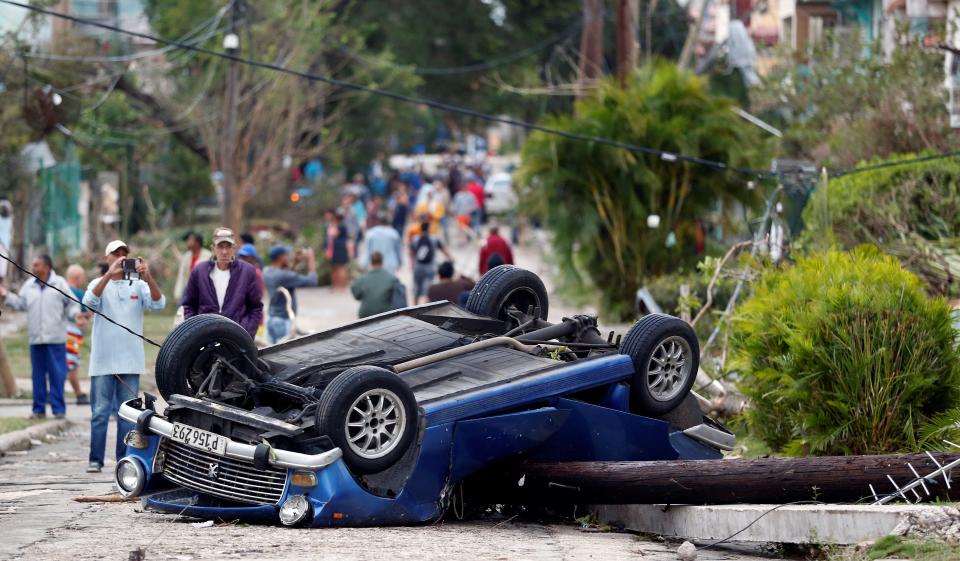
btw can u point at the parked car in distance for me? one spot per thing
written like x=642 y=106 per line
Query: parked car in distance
x=499 y=193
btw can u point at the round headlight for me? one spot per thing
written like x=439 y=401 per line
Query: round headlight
x=130 y=477
x=294 y=510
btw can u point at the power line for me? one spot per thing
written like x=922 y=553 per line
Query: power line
x=191 y=35
x=872 y=167
x=439 y=105
x=490 y=64
x=442 y=106
x=74 y=299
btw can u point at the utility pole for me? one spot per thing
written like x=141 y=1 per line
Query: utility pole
x=693 y=34
x=228 y=147
x=648 y=35
x=591 y=45
x=626 y=40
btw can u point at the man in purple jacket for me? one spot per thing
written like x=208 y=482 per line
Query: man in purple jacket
x=225 y=286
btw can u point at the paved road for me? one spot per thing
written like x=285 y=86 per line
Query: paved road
x=40 y=520
x=325 y=308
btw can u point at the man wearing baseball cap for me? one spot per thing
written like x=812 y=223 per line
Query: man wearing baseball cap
x=116 y=356
x=225 y=285
x=278 y=275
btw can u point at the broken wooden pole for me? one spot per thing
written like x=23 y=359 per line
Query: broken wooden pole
x=765 y=480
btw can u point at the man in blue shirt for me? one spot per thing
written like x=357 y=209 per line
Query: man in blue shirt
x=116 y=356
x=384 y=239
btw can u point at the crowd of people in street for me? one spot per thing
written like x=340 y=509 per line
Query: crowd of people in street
x=419 y=221
x=371 y=236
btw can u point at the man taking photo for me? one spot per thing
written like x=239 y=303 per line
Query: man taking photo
x=116 y=355
x=226 y=286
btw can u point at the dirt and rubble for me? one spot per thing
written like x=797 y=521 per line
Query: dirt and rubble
x=941 y=523
x=40 y=520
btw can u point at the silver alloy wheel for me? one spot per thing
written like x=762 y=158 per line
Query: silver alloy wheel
x=375 y=423
x=669 y=368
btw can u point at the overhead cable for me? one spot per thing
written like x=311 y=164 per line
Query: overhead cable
x=480 y=66
x=439 y=105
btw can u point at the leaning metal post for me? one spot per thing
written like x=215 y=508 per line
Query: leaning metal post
x=757 y=238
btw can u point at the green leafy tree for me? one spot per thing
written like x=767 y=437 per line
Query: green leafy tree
x=844 y=353
x=276 y=115
x=596 y=198
x=465 y=48
x=848 y=101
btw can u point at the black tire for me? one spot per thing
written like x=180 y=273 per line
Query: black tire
x=192 y=346
x=651 y=342
x=504 y=286
x=338 y=408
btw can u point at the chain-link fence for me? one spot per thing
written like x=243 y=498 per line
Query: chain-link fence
x=54 y=214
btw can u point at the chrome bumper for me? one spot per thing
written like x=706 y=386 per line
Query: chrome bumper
x=239 y=450
x=712 y=436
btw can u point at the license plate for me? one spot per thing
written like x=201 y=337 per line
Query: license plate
x=199 y=439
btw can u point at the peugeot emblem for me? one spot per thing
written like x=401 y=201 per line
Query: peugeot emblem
x=213 y=471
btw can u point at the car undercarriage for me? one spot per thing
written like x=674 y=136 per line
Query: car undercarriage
x=403 y=406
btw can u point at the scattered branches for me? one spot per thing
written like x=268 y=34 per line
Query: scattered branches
x=716 y=275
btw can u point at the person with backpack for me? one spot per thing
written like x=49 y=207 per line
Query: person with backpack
x=378 y=290
x=423 y=252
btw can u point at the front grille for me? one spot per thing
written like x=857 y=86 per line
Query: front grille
x=236 y=480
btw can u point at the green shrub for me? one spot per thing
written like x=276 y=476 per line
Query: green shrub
x=911 y=211
x=844 y=353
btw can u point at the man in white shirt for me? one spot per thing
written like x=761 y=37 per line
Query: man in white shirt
x=117 y=357
x=225 y=286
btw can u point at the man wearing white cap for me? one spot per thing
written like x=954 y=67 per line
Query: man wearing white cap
x=116 y=356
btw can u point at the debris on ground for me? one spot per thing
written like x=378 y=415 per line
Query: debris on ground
x=942 y=523
x=113 y=498
x=205 y=524
x=687 y=552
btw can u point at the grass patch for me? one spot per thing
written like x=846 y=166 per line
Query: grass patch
x=895 y=547
x=12 y=424
x=156 y=327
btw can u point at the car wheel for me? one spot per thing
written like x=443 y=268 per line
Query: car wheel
x=505 y=286
x=189 y=352
x=371 y=414
x=666 y=356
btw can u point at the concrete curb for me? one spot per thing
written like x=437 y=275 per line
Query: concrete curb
x=20 y=439
x=799 y=524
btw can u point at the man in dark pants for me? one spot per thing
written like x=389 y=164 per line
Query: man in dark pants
x=225 y=286
x=47 y=313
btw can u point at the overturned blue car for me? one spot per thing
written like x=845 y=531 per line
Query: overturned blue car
x=378 y=422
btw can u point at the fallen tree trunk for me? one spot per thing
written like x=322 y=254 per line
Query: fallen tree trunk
x=766 y=480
